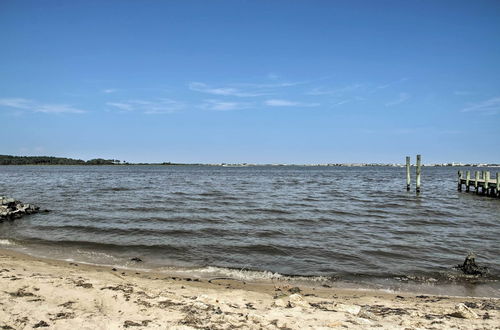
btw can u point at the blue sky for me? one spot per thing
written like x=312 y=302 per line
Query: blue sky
x=251 y=81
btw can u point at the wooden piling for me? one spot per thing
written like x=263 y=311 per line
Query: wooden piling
x=498 y=184
x=486 y=187
x=408 y=179
x=467 y=180
x=459 y=186
x=476 y=181
x=419 y=170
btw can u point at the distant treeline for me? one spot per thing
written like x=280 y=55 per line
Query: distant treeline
x=45 y=160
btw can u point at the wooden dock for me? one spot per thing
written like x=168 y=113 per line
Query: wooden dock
x=482 y=183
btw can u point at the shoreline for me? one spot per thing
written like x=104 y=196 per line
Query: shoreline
x=450 y=284
x=36 y=291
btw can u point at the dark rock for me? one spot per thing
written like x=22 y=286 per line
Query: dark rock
x=128 y=323
x=471 y=304
x=490 y=306
x=295 y=289
x=11 y=209
x=21 y=293
x=63 y=316
x=84 y=285
x=41 y=324
x=6 y=327
x=136 y=259
x=469 y=267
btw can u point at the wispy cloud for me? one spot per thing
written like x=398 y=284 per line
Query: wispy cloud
x=395 y=82
x=288 y=103
x=491 y=106
x=218 y=105
x=33 y=106
x=121 y=106
x=246 y=89
x=109 y=90
x=275 y=85
x=222 y=91
x=403 y=97
x=272 y=76
x=339 y=103
x=157 y=106
x=334 y=91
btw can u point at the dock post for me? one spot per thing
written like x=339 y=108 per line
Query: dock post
x=408 y=180
x=467 y=180
x=486 y=187
x=476 y=181
x=419 y=170
x=459 y=187
x=498 y=184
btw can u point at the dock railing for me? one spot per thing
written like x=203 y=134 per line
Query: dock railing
x=482 y=183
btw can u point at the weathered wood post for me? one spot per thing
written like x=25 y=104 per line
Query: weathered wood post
x=419 y=170
x=498 y=184
x=459 y=187
x=408 y=179
x=486 y=187
x=467 y=180
x=476 y=181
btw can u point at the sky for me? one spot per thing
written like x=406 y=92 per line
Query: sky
x=238 y=81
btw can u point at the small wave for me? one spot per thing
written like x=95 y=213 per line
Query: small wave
x=273 y=211
x=138 y=231
x=7 y=242
x=149 y=209
x=254 y=275
x=115 y=189
x=97 y=255
x=111 y=247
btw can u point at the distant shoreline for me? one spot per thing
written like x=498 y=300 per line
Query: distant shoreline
x=60 y=161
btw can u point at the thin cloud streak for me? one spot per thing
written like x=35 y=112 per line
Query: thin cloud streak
x=221 y=91
x=244 y=89
x=491 y=106
x=218 y=105
x=288 y=103
x=341 y=103
x=273 y=85
x=335 y=91
x=33 y=106
x=158 y=106
x=384 y=86
x=403 y=97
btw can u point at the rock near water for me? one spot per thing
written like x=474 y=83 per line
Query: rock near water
x=11 y=209
x=469 y=267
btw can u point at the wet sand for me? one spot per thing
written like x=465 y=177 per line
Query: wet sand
x=42 y=293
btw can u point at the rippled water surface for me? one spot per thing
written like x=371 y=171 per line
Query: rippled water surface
x=336 y=222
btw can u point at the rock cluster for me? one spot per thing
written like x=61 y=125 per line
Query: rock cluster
x=469 y=267
x=11 y=209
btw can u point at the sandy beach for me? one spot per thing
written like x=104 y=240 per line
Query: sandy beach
x=37 y=293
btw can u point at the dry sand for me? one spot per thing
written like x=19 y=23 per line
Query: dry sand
x=37 y=293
